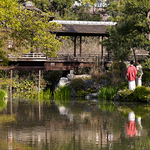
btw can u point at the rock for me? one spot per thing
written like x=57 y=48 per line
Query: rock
x=88 y=84
x=91 y=96
x=70 y=76
x=82 y=76
x=63 y=81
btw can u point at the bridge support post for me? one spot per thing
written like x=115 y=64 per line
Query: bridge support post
x=80 y=46
x=39 y=81
x=75 y=46
x=11 y=91
x=10 y=80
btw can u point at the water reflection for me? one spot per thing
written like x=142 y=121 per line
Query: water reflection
x=54 y=125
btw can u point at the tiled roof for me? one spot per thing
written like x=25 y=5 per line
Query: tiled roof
x=83 y=28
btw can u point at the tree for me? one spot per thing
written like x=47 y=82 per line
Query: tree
x=28 y=30
x=132 y=28
x=61 y=6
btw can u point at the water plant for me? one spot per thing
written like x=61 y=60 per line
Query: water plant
x=107 y=93
x=62 y=93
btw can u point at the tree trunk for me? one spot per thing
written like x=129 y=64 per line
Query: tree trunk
x=134 y=56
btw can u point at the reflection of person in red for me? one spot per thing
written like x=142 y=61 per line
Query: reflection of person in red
x=131 y=128
x=131 y=125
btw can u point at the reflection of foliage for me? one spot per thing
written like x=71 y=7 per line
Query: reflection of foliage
x=143 y=143
x=107 y=106
x=2 y=104
x=139 y=110
x=62 y=93
x=2 y=94
x=7 y=118
x=64 y=103
x=107 y=92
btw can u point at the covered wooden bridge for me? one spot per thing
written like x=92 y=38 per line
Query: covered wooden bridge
x=38 y=61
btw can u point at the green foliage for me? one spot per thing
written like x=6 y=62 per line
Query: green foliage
x=62 y=93
x=29 y=30
x=123 y=85
x=126 y=94
x=116 y=66
x=131 y=30
x=51 y=78
x=2 y=94
x=83 y=93
x=107 y=93
x=146 y=77
x=141 y=93
x=77 y=84
x=146 y=64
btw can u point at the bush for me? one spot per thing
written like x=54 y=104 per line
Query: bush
x=141 y=93
x=77 y=84
x=146 y=77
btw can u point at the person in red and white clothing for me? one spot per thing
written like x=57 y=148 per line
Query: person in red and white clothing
x=131 y=75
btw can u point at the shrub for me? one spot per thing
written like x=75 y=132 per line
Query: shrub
x=146 y=77
x=77 y=84
x=123 y=85
x=141 y=93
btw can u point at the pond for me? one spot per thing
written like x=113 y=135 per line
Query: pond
x=73 y=125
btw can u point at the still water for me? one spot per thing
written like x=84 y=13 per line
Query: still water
x=73 y=125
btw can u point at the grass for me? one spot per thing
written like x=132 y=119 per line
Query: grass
x=62 y=93
x=107 y=93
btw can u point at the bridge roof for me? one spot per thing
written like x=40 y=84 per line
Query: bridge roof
x=83 y=28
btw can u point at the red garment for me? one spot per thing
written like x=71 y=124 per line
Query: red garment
x=131 y=128
x=131 y=73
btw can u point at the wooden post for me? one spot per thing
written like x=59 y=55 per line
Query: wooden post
x=11 y=92
x=10 y=80
x=75 y=46
x=102 y=54
x=80 y=45
x=39 y=80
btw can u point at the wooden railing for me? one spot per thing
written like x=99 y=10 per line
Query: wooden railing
x=67 y=57
x=27 y=55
